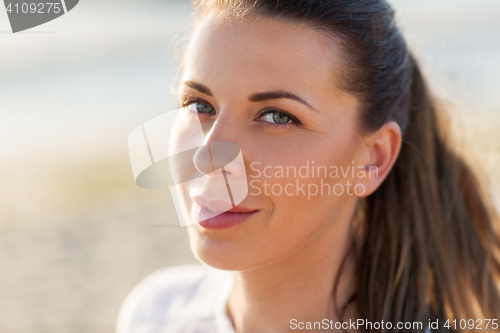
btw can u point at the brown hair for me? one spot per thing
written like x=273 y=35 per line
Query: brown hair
x=425 y=246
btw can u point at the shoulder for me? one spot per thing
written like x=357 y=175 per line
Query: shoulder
x=170 y=299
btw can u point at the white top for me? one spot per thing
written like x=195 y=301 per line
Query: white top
x=183 y=299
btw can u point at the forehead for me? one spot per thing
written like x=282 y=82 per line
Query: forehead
x=255 y=53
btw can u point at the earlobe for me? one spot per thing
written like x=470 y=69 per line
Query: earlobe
x=383 y=149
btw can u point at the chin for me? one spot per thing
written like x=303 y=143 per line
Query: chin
x=231 y=255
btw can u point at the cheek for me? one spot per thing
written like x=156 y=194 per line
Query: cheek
x=303 y=170
x=304 y=185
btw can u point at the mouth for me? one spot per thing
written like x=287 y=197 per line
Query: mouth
x=215 y=215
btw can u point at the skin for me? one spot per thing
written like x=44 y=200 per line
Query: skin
x=285 y=258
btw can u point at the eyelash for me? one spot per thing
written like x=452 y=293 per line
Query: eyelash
x=295 y=121
x=188 y=102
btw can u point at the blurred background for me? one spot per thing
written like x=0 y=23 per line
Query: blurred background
x=76 y=233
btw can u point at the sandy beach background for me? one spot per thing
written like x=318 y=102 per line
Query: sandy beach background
x=76 y=234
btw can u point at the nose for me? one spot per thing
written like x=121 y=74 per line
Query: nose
x=216 y=158
x=219 y=155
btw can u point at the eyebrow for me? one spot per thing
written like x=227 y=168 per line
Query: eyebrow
x=258 y=97
x=198 y=86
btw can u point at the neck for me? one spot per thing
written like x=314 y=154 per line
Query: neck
x=300 y=286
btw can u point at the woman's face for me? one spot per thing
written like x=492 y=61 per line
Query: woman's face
x=269 y=87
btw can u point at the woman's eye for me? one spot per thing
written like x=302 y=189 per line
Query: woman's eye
x=200 y=107
x=279 y=118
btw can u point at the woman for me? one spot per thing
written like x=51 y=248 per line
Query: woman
x=360 y=215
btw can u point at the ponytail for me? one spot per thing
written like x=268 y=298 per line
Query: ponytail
x=427 y=247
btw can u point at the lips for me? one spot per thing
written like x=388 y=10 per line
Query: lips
x=220 y=214
x=238 y=209
x=215 y=205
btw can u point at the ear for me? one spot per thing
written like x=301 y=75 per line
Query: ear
x=381 y=151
